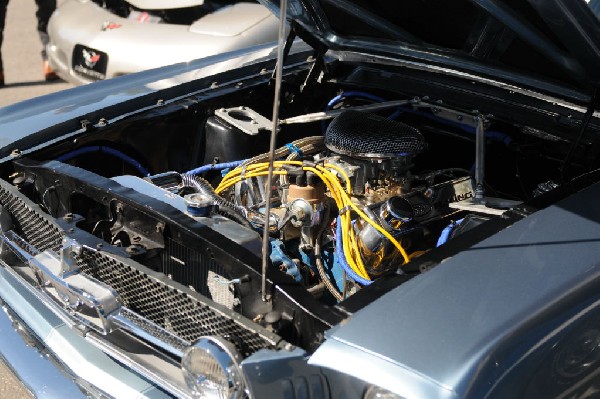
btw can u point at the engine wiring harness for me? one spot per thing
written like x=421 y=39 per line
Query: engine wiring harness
x=334 y=178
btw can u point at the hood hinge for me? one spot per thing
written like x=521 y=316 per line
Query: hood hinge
x=286 y=50
x=317 y=70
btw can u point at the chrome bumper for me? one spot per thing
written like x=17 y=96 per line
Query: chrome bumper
x=82 y=371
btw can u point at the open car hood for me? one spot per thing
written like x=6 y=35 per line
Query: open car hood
x=551 y=40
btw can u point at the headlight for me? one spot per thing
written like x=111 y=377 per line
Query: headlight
x=375 y=392
x=211 y=369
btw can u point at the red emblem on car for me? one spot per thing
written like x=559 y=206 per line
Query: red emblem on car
x=110 y=25
x=91 y=58
x=143 y=17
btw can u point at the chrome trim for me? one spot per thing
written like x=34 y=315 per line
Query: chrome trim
x=81 y=292
x=30 y=363
x=129 y=321
x=165 y=374
x=141 y=364
x=77 y=355
x=60 y=280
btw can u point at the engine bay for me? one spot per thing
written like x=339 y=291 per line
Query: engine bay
x=365 y=183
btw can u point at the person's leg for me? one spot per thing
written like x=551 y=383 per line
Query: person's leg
x=3 y=5
x=45 y=8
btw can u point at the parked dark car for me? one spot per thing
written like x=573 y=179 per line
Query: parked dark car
x=429 y=214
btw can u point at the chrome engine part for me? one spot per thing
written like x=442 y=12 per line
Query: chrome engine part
x=394 y=215
x=379 y=149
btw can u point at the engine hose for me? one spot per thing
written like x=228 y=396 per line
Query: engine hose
x=445 y=235
x=321 y=268
x=107 y=150
x=349 y=94
x=342 y=259
x=226 y=208
x=217 y=166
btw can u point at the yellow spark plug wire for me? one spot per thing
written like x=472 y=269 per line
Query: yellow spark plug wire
x=236 y=174
x=343 y=173
x=352 y=256
x=235 y=180
x=340 y=196
x=348 y=202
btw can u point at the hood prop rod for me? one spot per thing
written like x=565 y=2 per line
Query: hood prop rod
x=480 y=160
x=269 y=183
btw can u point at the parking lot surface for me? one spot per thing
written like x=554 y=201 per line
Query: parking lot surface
x=21 y=53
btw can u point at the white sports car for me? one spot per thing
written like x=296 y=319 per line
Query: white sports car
x=99 y=39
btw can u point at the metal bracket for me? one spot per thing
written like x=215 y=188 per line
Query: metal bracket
x=68 y=253
x=245 y=119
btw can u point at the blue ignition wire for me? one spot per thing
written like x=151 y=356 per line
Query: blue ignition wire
x=342 y=259
x=214 y=166
x=347 y=94
x=447 y=231
x=234 y=164
x=107 y=150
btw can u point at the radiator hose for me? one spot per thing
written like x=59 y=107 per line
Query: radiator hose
x=226 y=208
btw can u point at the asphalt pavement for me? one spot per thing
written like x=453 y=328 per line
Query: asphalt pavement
x=21 y=54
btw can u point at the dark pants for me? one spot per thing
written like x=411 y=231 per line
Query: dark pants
x=45 y=8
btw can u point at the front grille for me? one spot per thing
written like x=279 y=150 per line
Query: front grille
x=194 y=269
x=32 y=226
x=170 y=308
x=145 y=294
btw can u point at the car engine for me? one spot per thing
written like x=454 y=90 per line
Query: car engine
x=363 y=188
x=356 y=178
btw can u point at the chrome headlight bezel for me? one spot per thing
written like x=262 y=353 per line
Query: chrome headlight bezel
x=376 y=392
x=211 y=369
